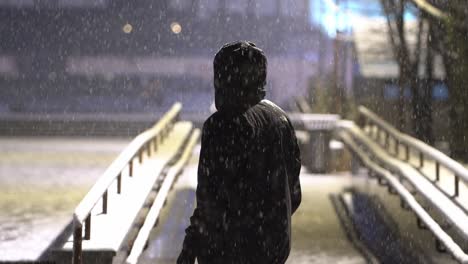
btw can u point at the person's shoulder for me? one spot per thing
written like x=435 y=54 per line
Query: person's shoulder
x=211 y=120
x=217 y=121
x=269 y=104
x=273 y=110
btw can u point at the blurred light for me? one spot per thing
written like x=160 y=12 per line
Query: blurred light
x=176 y=27
x=127 y=28
x=334 y=7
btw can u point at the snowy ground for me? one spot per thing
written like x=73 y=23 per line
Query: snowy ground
x=41 y=182
x=318 y=236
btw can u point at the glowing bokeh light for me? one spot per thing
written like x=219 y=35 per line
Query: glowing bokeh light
x=127 y=28
x=176 y=27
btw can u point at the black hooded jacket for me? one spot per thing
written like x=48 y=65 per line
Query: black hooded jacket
x=248 y=187
x=248 y=173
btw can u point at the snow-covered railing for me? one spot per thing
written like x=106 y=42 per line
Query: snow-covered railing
x=366 y=152
x=396 y=158
x=145 y=142
x=378 y=128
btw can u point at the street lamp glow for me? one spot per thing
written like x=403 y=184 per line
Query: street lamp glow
x=127 y=28
x=176 y=27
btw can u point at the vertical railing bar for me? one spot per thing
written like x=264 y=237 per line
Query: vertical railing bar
x=77 y=243
x=104 y=202
x=437 y=171
x=397 y=148
x=87 y=235
x=119 y=183
x=377 y=138
x=387 y=140
x=457 y=185
x=140 y=156
x=148 y=148
x=421 y=159
x=130 y=168
x=406 y=152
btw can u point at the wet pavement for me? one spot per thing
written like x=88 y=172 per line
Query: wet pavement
x=42 y=179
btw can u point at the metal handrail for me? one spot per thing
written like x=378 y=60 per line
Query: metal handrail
x=459 y=171
x=146 y=141
x=455 y=250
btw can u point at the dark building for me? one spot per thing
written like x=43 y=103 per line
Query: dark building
x=140 y=56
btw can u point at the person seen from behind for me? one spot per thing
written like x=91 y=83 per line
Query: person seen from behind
x=248 y=173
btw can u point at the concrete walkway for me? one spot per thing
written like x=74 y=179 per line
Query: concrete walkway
x=317 y=233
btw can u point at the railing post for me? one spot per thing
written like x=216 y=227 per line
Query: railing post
x=421 y=159
x=361 y=122
x=104 y=203
x=130 y=168
x=119 y=183
x=87 y=235
x=387 y=139
x=457 y=185
x=437 y=169
x=440 y=247
x=397 y=147
x=377 y=138
x=77 y=242
x=406 y=152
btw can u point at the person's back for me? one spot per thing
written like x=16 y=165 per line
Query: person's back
x=248 y=177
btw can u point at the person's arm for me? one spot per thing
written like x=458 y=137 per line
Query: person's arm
x=294 y=169
x=204 y=193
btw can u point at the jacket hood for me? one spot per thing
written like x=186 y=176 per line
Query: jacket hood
x=239 y=76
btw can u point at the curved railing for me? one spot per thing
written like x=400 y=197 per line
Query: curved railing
x=380 y=128
x=147 y=141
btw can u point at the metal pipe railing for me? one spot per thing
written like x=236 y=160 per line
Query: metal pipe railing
x=143 y=142
x=374 y=122
x=407 y=199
